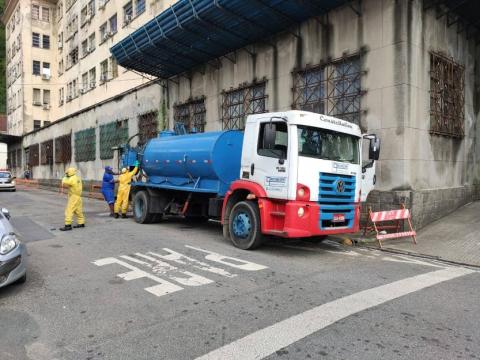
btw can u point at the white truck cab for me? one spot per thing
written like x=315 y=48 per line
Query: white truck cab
x=308 y=172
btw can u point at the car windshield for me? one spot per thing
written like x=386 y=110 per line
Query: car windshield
x=327 y=145
x=4 y=175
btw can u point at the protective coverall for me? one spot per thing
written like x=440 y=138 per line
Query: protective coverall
x=123 y=193
x=74 y=202
x=108 y=188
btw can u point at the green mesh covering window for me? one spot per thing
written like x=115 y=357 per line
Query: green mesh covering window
x=111 y=135
x=85 y=145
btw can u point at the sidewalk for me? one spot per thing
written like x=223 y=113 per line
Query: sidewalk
x=455 y=237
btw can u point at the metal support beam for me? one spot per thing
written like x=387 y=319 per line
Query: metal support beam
x=356 y=9
x=277 y=13
x=264 y=30
x=451 y=9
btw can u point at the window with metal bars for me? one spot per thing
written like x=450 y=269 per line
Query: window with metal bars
x=111 y=135
x=63 y=149
x=192 y=114
x=332 y=89
x=147 y=126
x=33 y=155
x=46 y=153
x=245 y=100
x=85 y=145
x=447 y=96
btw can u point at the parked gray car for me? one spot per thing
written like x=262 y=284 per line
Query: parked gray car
x=13 y=254
x=7 y=181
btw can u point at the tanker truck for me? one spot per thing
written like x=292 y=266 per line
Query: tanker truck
x=292 y=174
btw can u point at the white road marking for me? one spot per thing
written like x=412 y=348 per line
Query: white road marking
x=264 y=342
x=185 y=277
x=154 y=263
x=230 y=261
x=185 y=260
x=165 y=287
x=408 y=260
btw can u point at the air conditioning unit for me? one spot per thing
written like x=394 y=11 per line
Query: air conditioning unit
x=46 y=106
x=127 y=20
x=83 y=91
x=69 y=97
x=37 y=103
x=106 y=36
x=92 y=85
x=60 y=45
x=103 y=77
x=101 y=4
x=45 y=76
x=61 y=102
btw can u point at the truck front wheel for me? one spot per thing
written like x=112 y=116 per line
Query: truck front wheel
x=244 y=225
x=141 y=206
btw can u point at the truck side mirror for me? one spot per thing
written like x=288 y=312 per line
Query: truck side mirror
x=374 y=151
x=269 y=135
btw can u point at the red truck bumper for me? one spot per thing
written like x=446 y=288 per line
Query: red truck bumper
x=294 y=219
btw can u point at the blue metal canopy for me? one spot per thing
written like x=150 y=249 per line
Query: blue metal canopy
x=193 y=32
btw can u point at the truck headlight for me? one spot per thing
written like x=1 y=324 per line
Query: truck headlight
x=8 y=243
x=13 y=182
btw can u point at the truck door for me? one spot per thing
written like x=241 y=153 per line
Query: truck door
x=269 y=166
x=370 y=151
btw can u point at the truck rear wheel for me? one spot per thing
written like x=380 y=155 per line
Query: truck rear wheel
x=244 y=225
x=141 y=206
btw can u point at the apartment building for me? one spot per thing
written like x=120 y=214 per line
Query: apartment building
x=58 y=58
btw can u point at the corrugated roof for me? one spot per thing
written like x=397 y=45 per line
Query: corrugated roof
x=463 y=13
x=193 y=32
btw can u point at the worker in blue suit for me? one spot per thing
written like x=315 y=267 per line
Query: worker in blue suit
x=108 y=188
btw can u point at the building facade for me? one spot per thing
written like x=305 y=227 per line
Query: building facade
x=58 y=59
x=405 y=70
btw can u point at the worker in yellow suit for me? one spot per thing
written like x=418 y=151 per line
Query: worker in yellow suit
x=74 y=203
x=123 y=193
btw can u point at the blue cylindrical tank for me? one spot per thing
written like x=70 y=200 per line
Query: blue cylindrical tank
x=204 y=162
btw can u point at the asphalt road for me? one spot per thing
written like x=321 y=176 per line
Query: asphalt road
x=120 y=290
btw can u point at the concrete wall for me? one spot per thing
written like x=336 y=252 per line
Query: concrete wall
x=128 y=106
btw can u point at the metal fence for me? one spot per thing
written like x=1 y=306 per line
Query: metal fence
x=46 y=153
x=34 y=155
x=147 y=126
x=111 y=135
x=333 y=88
x=238 y=103
x=85 y=145
x=447 y=96
x=63 y=149
x=192 y=114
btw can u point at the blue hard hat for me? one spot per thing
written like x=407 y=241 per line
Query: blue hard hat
x=108 y=169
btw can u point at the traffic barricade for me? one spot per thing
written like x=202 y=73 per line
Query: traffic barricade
x=397 y=217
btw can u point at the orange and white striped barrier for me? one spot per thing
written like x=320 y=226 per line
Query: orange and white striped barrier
x=397 y=216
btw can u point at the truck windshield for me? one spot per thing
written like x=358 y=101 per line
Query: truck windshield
x=327 y=145
x=4 y=175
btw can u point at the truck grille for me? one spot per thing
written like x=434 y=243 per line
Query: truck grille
x=336 y=197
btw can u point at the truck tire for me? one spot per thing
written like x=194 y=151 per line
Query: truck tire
x=141 y=206
x=244 y=225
